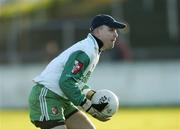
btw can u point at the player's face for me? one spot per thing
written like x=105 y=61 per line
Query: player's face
x=108 y=36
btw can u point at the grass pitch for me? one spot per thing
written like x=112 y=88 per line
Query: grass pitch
x=130 y=118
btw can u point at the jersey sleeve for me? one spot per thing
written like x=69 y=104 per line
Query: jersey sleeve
x=73 y=71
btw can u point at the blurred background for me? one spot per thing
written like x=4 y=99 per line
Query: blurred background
x=143 y=69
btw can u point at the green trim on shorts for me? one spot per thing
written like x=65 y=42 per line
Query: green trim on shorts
x=46 y=105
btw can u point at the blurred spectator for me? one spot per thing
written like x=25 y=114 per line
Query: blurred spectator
x=51 y=49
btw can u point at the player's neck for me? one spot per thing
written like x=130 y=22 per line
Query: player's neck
x=99 y=42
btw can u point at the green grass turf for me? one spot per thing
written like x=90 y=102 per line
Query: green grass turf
x=126 y=118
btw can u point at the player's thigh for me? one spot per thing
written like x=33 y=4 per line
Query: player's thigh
x=45 y=105
x=79 y=120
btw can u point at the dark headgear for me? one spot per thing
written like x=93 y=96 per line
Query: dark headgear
x=107 y=20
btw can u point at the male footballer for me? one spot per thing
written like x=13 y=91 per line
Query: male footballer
x=61 y=89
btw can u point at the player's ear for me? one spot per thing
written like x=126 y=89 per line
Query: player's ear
x=96 y=32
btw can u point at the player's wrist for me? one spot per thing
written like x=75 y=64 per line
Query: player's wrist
x=90 y=94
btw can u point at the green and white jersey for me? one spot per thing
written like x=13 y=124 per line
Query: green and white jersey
x=68 y=73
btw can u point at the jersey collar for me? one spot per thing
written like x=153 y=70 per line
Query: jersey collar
x=95 y=41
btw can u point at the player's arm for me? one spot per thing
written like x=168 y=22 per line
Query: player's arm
x=73 y=71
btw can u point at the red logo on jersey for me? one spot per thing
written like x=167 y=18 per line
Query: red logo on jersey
x=54 y=110
x=77 y=67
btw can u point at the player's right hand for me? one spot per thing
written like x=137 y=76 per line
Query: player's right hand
x=98 y=115
x=98 y=107
x=95 y=110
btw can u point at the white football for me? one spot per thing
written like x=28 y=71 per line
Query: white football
x=103 y=96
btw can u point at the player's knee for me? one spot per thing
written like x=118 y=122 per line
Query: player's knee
x=59 y=127
x=89 y=126
x=92 y=127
